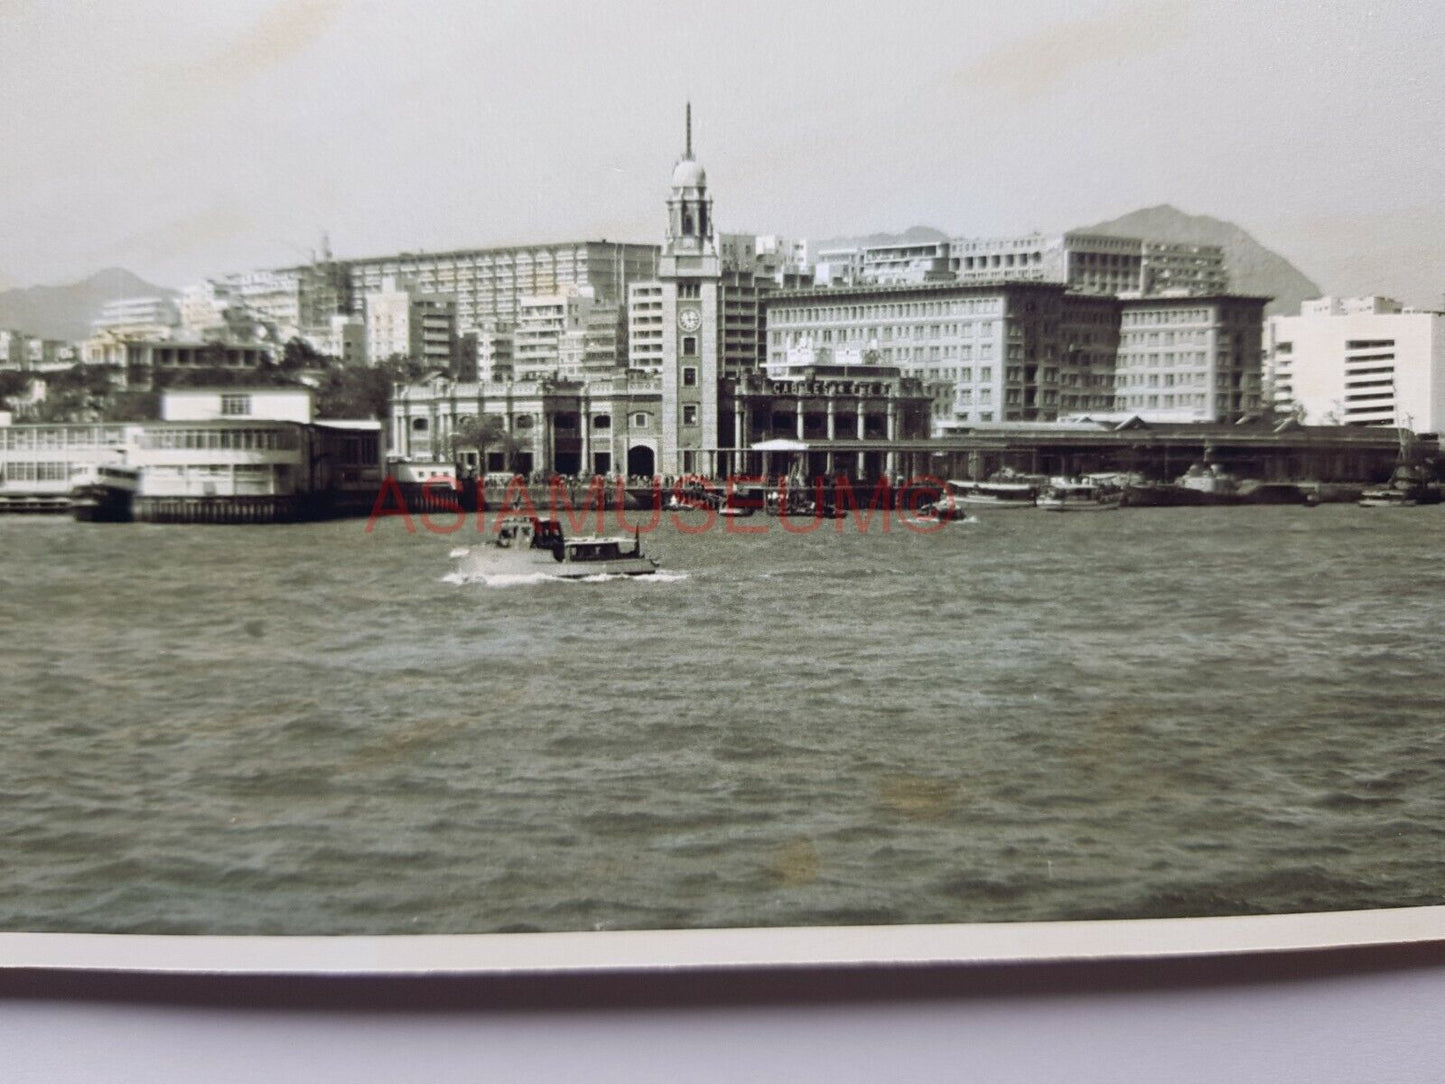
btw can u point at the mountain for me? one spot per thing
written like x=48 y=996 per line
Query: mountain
x=1253 y=269
x=911 y=236
x=65 y=312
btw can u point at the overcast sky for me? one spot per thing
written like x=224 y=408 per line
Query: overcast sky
x=185 y=140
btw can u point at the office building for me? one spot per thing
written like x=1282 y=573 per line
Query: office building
x=1359 y=361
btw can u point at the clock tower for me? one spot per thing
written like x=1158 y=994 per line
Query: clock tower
x=689 y=272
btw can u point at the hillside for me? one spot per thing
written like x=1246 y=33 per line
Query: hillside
x=912 y=235
x=1253 y=269
x=65 y=312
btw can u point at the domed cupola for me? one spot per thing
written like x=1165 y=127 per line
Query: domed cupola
x=689 y=210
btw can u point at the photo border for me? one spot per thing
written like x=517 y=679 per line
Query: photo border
x=712 y=949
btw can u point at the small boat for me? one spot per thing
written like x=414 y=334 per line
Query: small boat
x=1085 y=496
x=1406 y=489
x=526 y=545
x=103 y=492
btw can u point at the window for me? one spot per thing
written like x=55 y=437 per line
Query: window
x=689 y=377
x=689 y=414
x=234 y=405
x=639 y=421
x=689 y=346
x=602 y=421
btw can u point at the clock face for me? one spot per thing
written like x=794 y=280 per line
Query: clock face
x=689 y=319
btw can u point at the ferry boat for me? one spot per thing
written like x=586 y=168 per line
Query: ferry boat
x=527 y=545
x=103 y=492
x=1081 y=496
x=989 y=495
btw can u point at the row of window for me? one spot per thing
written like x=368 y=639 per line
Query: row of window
x=889 y=310
x=22 y=438
x=260 y=440
x=34 y=472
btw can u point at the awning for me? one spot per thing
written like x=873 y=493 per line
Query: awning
x=781 y=444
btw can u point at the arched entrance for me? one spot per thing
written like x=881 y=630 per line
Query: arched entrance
x=641 y=461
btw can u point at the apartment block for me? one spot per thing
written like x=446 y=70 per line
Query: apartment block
x=1359 y=361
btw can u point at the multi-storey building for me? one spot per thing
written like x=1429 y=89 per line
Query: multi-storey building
x=136 y=362
x=1013 y=352
x=906 y=262
x=343 y=338
x=137 y=317
x=209 y=443
x=598 y=426
x=1177 y=267
x=838 y=267
x=1092 y=263
x=1190 y=359
x=1086 y=263
x=402 y=321
x=488 y=284
x=1359 y=361
x=567 y=334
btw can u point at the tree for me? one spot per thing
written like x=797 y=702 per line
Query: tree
x=482 y=433
x=300 y=354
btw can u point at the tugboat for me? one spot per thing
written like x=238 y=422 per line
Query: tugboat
x=1406 y=489
x=103 y=493
x=527 y=545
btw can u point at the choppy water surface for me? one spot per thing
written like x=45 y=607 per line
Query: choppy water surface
x=311 y=729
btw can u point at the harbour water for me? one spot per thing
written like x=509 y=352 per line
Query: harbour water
x=314 y=729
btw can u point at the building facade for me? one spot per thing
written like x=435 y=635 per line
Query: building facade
x=228 y=442
x=1018 y=351
x=610 y=425
x=1190 y=359
x=403 y=321
x=137 y=317
x=488 y=284
x=1092 y=263
x=1359 y=361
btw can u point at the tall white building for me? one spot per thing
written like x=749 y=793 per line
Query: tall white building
x=1359 y=361
x=404 y=322
x=567 y=334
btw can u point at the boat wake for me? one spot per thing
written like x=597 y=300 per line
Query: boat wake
x=531 y=579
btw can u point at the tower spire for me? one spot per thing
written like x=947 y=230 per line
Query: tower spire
x=688 y=153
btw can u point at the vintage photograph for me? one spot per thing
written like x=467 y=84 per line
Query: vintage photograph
x=518 y=468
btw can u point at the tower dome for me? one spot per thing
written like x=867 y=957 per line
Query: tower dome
x=689 y=174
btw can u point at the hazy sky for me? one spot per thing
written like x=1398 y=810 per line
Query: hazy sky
x=181 y=140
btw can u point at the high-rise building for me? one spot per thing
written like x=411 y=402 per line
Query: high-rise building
x=405 y=322
x=1359 y=361
x=567 y=334
x=1190 y=359
x=488 y=284
x=1016 y=351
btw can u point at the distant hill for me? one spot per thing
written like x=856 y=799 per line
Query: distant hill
x=910 y=236
x=65 y=312
x=1253 y=269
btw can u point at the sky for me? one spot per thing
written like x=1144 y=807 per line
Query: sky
x=186 y=140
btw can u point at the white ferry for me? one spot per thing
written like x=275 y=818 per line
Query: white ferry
x=1062 y=495
x=988 y=495
x=103 y=492
x=525 y=545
